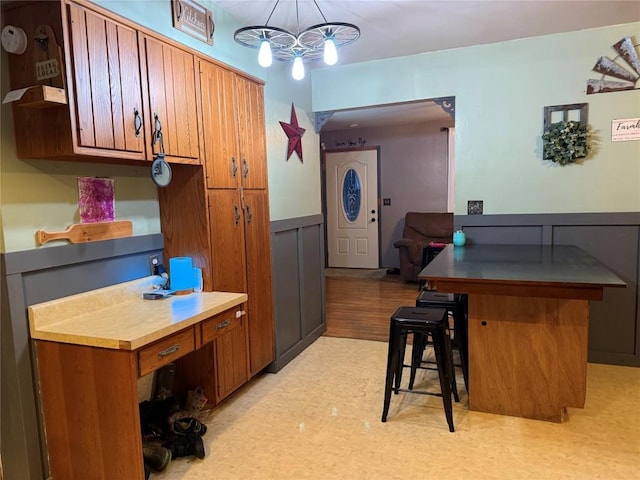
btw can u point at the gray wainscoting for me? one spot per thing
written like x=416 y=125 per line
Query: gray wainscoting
x=612 y=238
x=35 y=276
x=298 y=285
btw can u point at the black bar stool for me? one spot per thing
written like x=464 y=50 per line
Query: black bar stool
x=431 y=322
x=456 y=305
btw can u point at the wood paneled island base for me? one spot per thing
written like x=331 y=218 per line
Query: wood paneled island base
x=529 y=355
x=528 y=323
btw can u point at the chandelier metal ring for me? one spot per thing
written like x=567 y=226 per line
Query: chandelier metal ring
x=342 y=34
x=252 y=37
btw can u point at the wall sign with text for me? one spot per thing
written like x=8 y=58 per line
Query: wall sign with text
x=625 y=129
x=193 y=19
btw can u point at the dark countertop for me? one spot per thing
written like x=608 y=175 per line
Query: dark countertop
x=539 y=264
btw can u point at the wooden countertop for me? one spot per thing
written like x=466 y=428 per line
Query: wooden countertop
x=117 y=316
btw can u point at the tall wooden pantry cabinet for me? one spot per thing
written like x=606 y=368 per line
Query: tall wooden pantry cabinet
x=230 y=196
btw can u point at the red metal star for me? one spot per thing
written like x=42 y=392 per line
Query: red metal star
x=294 y=133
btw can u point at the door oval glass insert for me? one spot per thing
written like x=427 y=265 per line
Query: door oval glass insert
x=351 y=195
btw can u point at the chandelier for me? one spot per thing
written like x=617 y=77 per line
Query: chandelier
x=317 y=41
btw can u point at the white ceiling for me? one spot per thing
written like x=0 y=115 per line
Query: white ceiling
x=391 y=28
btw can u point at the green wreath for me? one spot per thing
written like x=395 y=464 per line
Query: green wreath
x=565 y=142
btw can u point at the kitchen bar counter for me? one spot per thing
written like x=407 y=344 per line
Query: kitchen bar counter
x=118 y=317
x=528 y=323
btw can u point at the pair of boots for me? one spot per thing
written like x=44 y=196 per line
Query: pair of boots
x=182 y=438
x=157 y=456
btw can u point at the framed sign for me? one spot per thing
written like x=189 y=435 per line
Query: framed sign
x=625 y=130
x=193 y=19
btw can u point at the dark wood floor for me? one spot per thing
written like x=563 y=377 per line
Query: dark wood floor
x=361 y=307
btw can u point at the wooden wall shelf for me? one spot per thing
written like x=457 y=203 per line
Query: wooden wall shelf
x=43 y=96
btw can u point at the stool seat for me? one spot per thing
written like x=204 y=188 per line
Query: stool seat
x=419 y=317
x=436 y=299
x=456 y=305
x=423 y=322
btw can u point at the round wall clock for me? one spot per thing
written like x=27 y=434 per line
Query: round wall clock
x=160 y=172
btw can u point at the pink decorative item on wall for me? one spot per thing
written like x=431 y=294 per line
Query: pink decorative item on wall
x=294 y=132
x=96 y=200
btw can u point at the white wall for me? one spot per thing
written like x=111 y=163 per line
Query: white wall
x=500 y=92
x=294 y=184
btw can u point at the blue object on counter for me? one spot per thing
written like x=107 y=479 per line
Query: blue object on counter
x=197 y=280
x=459 y=238
x=181 y=274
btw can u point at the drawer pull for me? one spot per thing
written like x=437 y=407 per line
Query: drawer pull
x=224 y=324
x=169 y=350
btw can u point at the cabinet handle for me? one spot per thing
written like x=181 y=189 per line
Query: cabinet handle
x=236 y=214
x=245 y=168
x=169 y=350
x=157 y=132
x=249 y=215
x=224 y=324
x=137 y=121
x=234 y=167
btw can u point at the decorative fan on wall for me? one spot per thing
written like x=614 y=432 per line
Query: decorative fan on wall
x=617 y=69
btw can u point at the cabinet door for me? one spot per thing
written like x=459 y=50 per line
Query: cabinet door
x=260 y=303
x=170 y=78
x=231 y=360
x=227 y=241
x=106 y=79
x=253 y=157
x=220 y=126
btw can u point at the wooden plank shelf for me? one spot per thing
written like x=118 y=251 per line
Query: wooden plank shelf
x=43 y=96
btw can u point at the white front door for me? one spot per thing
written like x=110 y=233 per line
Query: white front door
x=352 y=208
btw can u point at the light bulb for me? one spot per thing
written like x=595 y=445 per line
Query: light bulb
x=264 y=55
x=330 y=52
x=297 y=72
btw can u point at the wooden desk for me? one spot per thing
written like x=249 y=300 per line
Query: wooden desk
x=91 y=349
x=528 y=323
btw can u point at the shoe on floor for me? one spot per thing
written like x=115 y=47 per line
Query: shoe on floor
x=156 y=456
x=185 y=446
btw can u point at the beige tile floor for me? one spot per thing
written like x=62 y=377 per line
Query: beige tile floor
x=319 y=418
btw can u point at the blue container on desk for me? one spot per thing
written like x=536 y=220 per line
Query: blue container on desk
x=459 y=238
x=181 y=274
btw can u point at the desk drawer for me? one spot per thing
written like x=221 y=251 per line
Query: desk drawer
x=166 y=351
x=220 y=324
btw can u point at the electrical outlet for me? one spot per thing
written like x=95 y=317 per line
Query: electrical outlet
x=154 y=262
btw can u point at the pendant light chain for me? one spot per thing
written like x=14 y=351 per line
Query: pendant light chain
x=322 y=14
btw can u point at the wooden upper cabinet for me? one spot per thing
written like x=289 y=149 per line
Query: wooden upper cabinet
x=233 y=129
x=169 y=75
x=219 y=125
x=106 y=75
x=253 y=156
x=99 y=71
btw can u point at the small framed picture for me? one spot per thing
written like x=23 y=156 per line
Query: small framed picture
x=193 y=19
x=474 y=207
